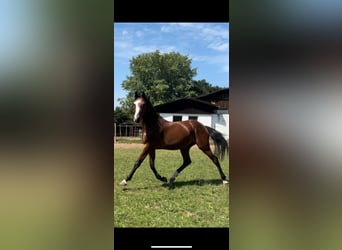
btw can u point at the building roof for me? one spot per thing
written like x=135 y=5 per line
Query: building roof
x=219 y=93
x=187 y=105
x=204 y=104
x=219 y=98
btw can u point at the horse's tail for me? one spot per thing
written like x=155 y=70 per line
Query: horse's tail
x=221 y=144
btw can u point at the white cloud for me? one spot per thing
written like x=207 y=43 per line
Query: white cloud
x=166 y=28
x=199 y=58
x=226 y=68
x=121 y=45
x=202 y=42
x=213 y=36
x=219 y=46
x=139 y=33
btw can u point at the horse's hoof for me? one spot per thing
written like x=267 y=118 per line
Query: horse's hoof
x=224 y=182
x=163 y=179
x=171 y=181
x=123 y=183
x=171 y=185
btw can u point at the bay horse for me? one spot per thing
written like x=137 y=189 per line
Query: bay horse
x=158 y=133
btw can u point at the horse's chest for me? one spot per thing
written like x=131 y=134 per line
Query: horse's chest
x=150 y=137
x=144 y=137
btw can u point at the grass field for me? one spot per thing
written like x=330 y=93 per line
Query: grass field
x=199 y=199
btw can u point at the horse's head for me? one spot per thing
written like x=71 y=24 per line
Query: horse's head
x=139 y=106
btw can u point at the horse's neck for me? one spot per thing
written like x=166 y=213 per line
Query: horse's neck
x=150 y=125
x=161 y=120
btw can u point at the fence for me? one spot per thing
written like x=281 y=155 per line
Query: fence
x=126 y=130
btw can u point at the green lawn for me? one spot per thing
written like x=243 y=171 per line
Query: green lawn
x=199 y=199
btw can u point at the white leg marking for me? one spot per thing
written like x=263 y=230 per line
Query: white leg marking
x=123 y=183
x=174 y=175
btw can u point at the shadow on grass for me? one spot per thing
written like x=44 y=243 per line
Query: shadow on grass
x=199 y=182
x=179 y=184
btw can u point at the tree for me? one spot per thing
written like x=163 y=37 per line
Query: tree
x=163 y=77
x=122 y=116
x=201 y=87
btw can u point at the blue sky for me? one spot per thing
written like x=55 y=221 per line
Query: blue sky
x=207 y=44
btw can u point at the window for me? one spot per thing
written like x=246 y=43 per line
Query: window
x=193 y=117
x=177 y=118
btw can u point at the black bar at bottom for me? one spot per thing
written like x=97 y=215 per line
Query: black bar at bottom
x=170 y=238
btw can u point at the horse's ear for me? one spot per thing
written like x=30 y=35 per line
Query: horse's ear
x=143 y=95
x=136 y=95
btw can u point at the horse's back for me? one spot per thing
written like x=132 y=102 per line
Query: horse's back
x=180 y=134
x=196 y=126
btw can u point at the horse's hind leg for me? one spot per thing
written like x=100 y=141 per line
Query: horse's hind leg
x=154 y=170
x=209 y=153
x=186 y=162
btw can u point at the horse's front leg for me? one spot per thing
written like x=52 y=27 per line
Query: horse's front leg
x=154 y=170
x=137 y=164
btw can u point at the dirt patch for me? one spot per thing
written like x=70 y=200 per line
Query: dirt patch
x=128 y=145
x=140 y=145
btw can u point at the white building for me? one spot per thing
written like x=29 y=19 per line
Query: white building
x=211 y=110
